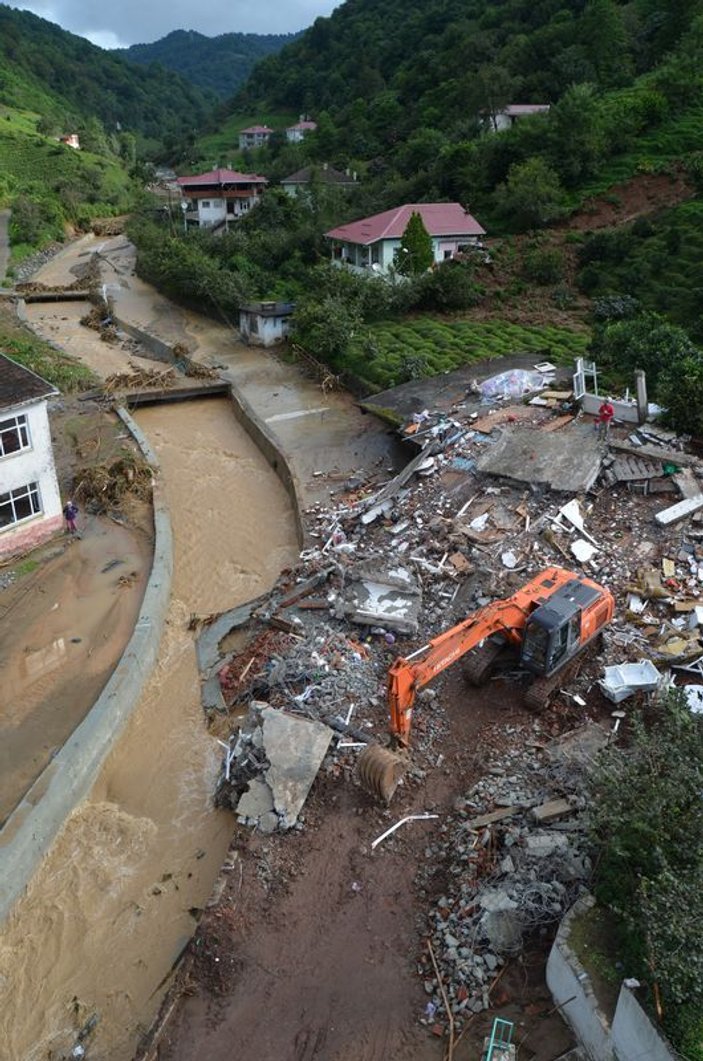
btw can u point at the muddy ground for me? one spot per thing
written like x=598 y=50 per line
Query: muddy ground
x=67 y=609
x=312 y=951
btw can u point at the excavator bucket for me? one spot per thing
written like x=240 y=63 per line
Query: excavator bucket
x=380 y=771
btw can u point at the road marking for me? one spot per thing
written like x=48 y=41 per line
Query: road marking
x=294 y=416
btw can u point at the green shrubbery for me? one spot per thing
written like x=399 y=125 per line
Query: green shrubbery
x=648 y=829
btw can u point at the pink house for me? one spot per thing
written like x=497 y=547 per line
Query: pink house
x=296 y=133
x=373 y=243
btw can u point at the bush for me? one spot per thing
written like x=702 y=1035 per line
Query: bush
x=543 y=265
x=451 y=286
x=615 y=308
x=681 y=392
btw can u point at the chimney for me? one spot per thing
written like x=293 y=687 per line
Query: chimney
x=301 y=118
x=347 y=171
x=354 y=175
x=325 y=165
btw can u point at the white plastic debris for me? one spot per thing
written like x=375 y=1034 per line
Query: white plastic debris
x=694 y=698
x=583 y=550
x=626 y=679
x=509 y=559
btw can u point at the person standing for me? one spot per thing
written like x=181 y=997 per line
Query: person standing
x=69 y=514
x=604 y=418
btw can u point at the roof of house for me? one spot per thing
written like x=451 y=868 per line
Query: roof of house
x=325 y=174
x=256 y=129
x=440 y=219
x=221 y=176
x=305 y=125
x=515 y=110
x=268 y=309
x=19 y=385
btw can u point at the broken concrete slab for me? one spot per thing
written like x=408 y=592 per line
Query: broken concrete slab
x=679 y=511
x=568 y=461
x=388 y=597
x=544 y=845
x=257 y=800
x=295 y=748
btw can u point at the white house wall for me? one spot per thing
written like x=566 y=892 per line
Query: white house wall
x=35 y=464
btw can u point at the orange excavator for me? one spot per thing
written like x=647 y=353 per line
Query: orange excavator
x=547 y=623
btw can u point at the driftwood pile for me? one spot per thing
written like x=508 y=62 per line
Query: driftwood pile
x=139 y=378
x=109 y=486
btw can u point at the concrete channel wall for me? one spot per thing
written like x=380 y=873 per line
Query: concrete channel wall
x=631 y=1036
x=254 y=426
x=32 y=827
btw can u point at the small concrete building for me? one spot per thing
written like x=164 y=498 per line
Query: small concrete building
x=254 y=136
x=30 y=502
x=373 y=243
x=215 y=198
x=506 y=118
x=265 y=323
x=296 y=133
x=71 y=140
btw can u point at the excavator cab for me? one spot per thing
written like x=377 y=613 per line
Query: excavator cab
x=553 y=632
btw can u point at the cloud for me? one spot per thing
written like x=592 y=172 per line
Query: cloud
x=134 y=21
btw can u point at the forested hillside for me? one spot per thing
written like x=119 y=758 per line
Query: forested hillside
x=399 y=86
x=218 y=64
x=63 y=77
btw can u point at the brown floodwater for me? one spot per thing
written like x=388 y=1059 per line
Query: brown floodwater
x=109 y=910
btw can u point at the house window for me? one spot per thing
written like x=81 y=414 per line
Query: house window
x=205 y=203
x=14 y=435
x=19 y=504
x=375 y=254
x=448 y=255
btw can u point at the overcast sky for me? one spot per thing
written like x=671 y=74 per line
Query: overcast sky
x=121 y=22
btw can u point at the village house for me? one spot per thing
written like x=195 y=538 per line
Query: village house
x=213 y=199
x=296 y=133
x=373 y=243
x=71 y=140
x=327 y=175
x=265 y=323
x=30 y=502
x=506 y=118
x=254 y=136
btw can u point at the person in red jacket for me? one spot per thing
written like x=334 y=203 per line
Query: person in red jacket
x=604 y=418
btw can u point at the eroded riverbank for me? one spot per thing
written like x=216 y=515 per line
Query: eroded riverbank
x=110 y=908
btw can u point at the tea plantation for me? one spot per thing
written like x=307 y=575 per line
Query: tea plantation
x=389 y=353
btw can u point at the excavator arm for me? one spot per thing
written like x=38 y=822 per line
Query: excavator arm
x=408 y=675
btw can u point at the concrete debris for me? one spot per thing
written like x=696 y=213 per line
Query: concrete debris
x=377 y=596
x=678 y=511
x=507 y=876
x=567 y=461
x=271 y=767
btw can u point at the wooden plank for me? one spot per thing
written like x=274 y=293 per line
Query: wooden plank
x=557 y=423
x=494 y=816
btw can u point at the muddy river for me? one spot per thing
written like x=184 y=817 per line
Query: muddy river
x=108 y=912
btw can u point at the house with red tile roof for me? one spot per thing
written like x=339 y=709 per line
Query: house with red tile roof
x=215 y=198
x=373 y=243
x=507 y=117
x=296 y=133
x=254 y=136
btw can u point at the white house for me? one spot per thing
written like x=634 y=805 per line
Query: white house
x=373 y=243
x=30 y=502
x=254 y=136
x=296 y=133
x=300 y=181
x=507 y=117
x=265 y=323
x=71 y=140
x=219 y=196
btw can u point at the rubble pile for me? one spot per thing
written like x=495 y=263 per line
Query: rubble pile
x=514 y=858
x=139 y=377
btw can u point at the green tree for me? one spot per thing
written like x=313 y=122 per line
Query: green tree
x=325 y=328
x=532 y=195
x=680 y=391
x=415 y=254
x=647 y=342
x=578 y=139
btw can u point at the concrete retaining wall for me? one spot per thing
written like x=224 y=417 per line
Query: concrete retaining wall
x=67 y=780
x=571 y=988
x=631 y=1036
x=247 y=417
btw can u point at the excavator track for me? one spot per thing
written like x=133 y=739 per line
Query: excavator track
x=479 y=662
x=380 y=771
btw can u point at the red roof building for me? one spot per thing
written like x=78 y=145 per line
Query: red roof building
x=296 y=133
x=374 y=242
x=220 y=195
x=254 y=136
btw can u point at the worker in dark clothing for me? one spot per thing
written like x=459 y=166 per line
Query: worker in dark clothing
x=69 y=514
